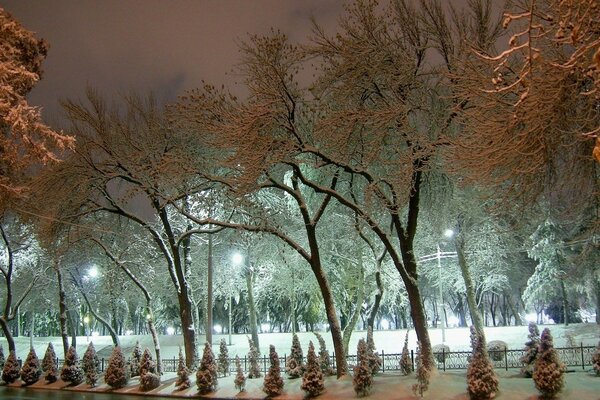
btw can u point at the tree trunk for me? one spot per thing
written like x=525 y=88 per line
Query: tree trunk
x=251 y=305
x=513 y=309
x=476 y=318
x=187 y=326
x=209 y=283
x=565 y=302
x=598 y=301
x=62 y=308
x=378 y=297
x=8 y=335
x=360 y=298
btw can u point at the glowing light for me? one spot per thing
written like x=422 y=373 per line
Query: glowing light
x=93 y=271
x=86 y=320
x=531 y=317
x=218 y=328
x=128 y=333
x=385 y=324
x=237 y=258
x=95 y=333
x=170 y=330
x=448 y=233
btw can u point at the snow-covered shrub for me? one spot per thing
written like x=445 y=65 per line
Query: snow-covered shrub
x=49 y=365
x=312 y=380
x=531 y=350
x=223 y=358
x=206 y=376
x=135 y=360
x=549 y=370
x=253 y=361
x=596 y=360
x=294 y=364
x=405 y=361
x=183 y=373
x=31 y=371
x=422 y=374
x=496 y=349
x=91 y=365
x=482 y=382
x=240 y=378
x=363 y=379
x=273 y=384
x=71 y=370
x=148 y=378
x=116 y=375
x=375 y=361
x=440 y=352
x=10 y=372
x=324 y=360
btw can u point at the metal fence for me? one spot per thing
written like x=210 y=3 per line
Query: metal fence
x=572 y=357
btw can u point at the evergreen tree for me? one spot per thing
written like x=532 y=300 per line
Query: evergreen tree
x=223 y=358
x=405 y=362
x=363 y=379
x=324 y=359
x=482 y=382
x=206 y=376
x=2 y=360
x=273 y=384
x=183 y=373
x=149 y=379
x=71 y=370
x=548 y=371
x=531 y=351
x=49 y=365
x=10 y=372
x=135 y=360
x=423 y=373
x=31 y=371
x=91 y=365
x=596 y=360
x=294 y=365
x=240 y=378
x=312 y=380
x=253 y=360
x=375 y=361
x=116 y=375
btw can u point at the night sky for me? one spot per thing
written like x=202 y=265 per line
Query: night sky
x=159 y=46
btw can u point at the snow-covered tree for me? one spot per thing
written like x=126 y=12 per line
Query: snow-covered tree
x=49 y=364
x=31 y=371
x=273 y=384
x=531 y=350
x=135 y=359
x=549 y=369
x=71 y=370
x=422 y=374
x=294 y=365
x=596 y=360
x=206 y=376
x=482 y=382
x=149 y=379
x=253 y=360
x=363 y=378
x=91 y=365
x=10 y=372
x=240 y=378
x=312 y=379
x=117 y=374
x=223 y=358
x=405 y=362
x=183 y=373
x=324 y=359
x=375 y=361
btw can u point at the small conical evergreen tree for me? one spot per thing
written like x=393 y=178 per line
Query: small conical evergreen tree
x=549 y=370
x=31 y=371
x=71 y=370
x=2 y=360
x=91 y=365
x=149 y=379
x=312 y=380
x=135 y=360
x=405 y=362
x=482 y=382
x=253 y=360
x=183 y=373
x=531 y=350
x=324 y=360
x=363 y=379
x=294 y=365
x=596 y=360
x=273 y=384
x=116 y=375
x=206 y=377
x=240 y=378
x=223 y=358
x=375 y=361
x=49 y=365
x=423 y=373
x=10 y=372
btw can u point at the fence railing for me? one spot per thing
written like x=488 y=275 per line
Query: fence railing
x=578 y=357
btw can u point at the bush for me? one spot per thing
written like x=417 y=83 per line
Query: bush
x=423 y=373
x=312 y=380
x=10 y=372
x=549 y=370
x=324 y=359
x=71 y=370
x=596 y=360
x=375 y=362
x=439 y=352
x=496 y=349
x=91 y=365
x=148 y=378
x=253 y=360
x=31 y=371
x=223 y=358
x=135 y=360
x=273 y=384
x=531 y=350
x=482 y=382
x=362 y=380
x=49 y=365
x=116 y=375
x=405 y=361
x=183 y=373
x=294 y=365
x=2 y=360
x=240 y=378
x=206 y=377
